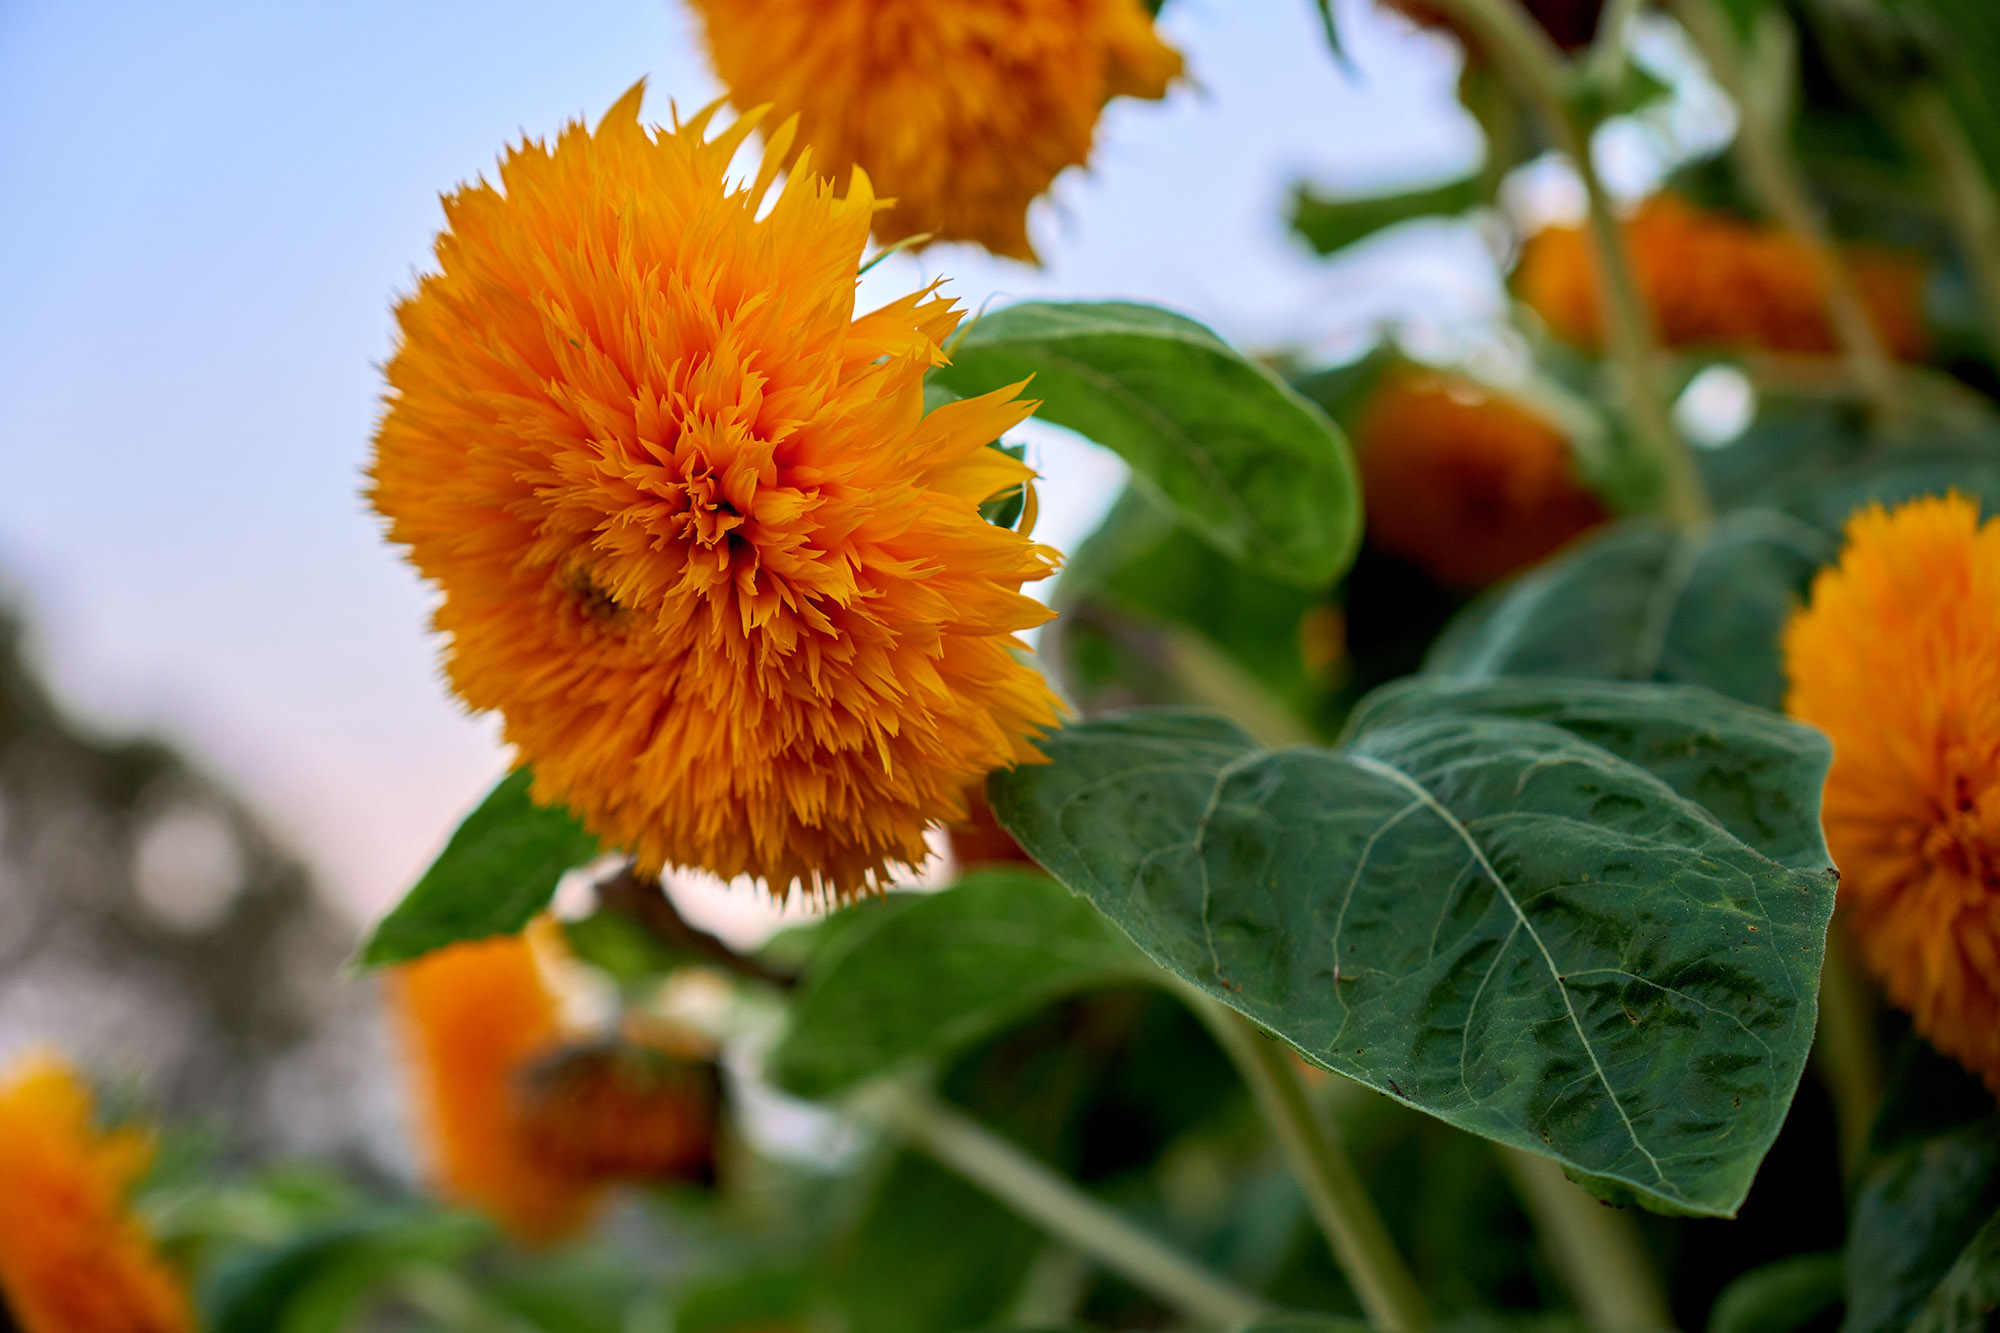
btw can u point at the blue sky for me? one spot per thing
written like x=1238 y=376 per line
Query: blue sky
x=206 y=209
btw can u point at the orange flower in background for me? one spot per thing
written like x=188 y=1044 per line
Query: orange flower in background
x=1714 y=280
x=979 y=840
x=1898 y=660
x=73 y=1259
x=1464 y=483
x=473 y=1017
x=615 y=1111
x=962 y=110
x=699 y=544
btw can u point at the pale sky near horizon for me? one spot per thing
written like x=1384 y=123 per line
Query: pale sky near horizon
x=206 y=210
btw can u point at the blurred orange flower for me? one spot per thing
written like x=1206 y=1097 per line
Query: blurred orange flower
x=473 y=1017
x=73 y=1259
x=1898 y=660
x=1464 y=483
x=979 y=840
x=963 y=110
x=1714 y=280
x=699 y=544
x=615 y=1111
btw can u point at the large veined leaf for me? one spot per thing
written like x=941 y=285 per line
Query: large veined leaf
x=1647 y=602
x=1759 y=774
x=941 y=972
x=499 y=869
x=1486 y=917
x=1258 y=471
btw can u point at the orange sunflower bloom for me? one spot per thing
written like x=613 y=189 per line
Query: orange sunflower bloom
x=699 y=544
x=619 y=1111
x=474 y=1016
x=73 y=1259
x=1898 y=660
x=1464 y=483
x=963 y=110
x=1714 y=280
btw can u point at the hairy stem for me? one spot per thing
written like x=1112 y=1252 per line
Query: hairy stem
x=1519 y=46
x=1056 y=1205
x=1845 y=1050
x=1764 y=160
x=1597 y=1249
x=1382 y=1282
x=1966 y=194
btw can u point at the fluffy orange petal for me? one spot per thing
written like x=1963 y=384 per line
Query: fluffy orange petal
x=1898 y=660
x=73 y=1259
x=961 y=110
x=699 y=544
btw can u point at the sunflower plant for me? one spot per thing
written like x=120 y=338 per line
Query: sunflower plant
x=1459 y=853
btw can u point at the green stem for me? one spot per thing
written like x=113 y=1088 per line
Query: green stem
x=1764 y=160
x=1382 y=1282
x=1966 y=194
x=1612 y=41
x=1060 y=1208
x=1845 y=1050
x=1598 y=1250
x=1516 y=43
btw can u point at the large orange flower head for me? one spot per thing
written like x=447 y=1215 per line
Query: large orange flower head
x=73 y=1259
x=1898 y=660
x=475 y=1017
x=1463 y=482
x=700 y=546
x=963 y=110
x=1714 y=280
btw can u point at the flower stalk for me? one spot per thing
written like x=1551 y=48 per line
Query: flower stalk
x=1970 y=207
x=1520 y=47
x=1059 y=1207
x=1597 y=1249
x=1381 y=1281
x=1766 y=165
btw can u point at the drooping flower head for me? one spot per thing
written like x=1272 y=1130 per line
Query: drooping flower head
x=73 y=1258
x=1464 y=483
x=698 y=542
x=1714 y=280
x=474 y=1016
x=1898 y=660
x=614 y=1110
x=961 y=110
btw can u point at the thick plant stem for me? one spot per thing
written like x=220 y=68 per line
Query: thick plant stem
x=1597 y=1249
x=1970 y=207
x=1056 y=1205
x=1845 y=1051
x=1382 y=1282
x=1517 y=44
x=1764 y=160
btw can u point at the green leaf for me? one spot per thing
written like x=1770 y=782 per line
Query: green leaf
x=1758 y=773
x=1779 y=1298
x=313 y=1282
x=1244 y=461
x=1487 y=918
x=1917 y=1213
x=1646 y=602
x=1330 y=223
x=1969 y=1295
x=499 y=869
x=943 y=971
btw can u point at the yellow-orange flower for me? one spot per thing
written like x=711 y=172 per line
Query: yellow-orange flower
x=699 y=544
x=1462 y=482
x=1714 y=280
x=1898 y=660
x=962 y=110
x=73 y=1259
x=474 y=1017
